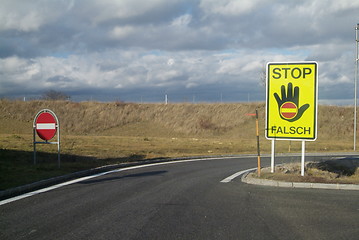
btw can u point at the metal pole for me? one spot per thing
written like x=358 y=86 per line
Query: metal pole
x=58 y=143
x=272 y=156
x=303 y=158
x=356 y=84
x=34 y=142
x=258 y=148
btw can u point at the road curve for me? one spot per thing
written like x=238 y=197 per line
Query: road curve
x=181 y=201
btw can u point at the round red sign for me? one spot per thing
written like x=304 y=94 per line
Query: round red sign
x=45 y=125
x=288 y=110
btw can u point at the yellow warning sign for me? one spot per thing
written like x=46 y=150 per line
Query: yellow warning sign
x=291 y=102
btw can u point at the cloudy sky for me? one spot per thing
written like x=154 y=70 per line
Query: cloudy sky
x=191 y=50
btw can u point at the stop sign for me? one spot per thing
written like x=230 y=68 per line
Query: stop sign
x=45 y=125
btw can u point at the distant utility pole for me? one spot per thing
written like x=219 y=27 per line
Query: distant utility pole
x=356 y=84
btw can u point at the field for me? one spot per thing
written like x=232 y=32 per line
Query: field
x=95 y=134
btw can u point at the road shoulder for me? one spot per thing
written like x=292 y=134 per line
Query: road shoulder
x=247 y=178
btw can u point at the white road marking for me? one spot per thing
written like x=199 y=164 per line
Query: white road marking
x=45 y=126
x=237 y=174
x=101 y=174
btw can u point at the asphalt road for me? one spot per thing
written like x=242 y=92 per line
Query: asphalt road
x=182 y=201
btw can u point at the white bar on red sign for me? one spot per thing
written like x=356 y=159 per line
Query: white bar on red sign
x=45 y=126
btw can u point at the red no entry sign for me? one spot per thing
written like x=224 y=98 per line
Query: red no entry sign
x=46 y=125
x=288 y=110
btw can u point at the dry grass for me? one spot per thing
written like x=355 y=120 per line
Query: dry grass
x=95 y=118
x=203 y=121
x=94 y=134
x=226 y=123
x=345 y=171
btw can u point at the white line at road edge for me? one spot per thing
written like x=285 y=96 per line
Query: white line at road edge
x=9 y=200
x=237 y=174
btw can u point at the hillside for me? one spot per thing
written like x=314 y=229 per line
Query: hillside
x=102 y=118
x=96 y=134
x=222 y=121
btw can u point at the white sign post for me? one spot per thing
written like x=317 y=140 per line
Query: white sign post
x=291 y=103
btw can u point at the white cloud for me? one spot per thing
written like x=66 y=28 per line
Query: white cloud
x=31 y=15
x=101 y=11
x=161 y=44
x=170 y=62
x=182 y=21
x=228 y=7
x=120 y=32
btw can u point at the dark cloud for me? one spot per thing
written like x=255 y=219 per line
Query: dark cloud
x=134 y=48
x=59 y=79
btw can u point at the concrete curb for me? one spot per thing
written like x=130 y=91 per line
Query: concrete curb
x=246 y=178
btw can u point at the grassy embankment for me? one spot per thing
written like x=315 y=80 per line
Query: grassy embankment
x=95 y=134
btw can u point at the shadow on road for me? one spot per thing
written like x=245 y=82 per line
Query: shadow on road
x=138 y=175
x=17 y=168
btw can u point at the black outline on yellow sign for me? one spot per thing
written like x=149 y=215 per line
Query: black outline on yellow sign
x=290 y=97
x=285 y=93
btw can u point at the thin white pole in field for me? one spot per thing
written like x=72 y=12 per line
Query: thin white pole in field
x=356 y=84
x=272 y=156
x=303 y=158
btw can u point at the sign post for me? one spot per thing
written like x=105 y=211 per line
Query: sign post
x=46 y=125
x=292 y=102
x=272 y=156
x=258 y=147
